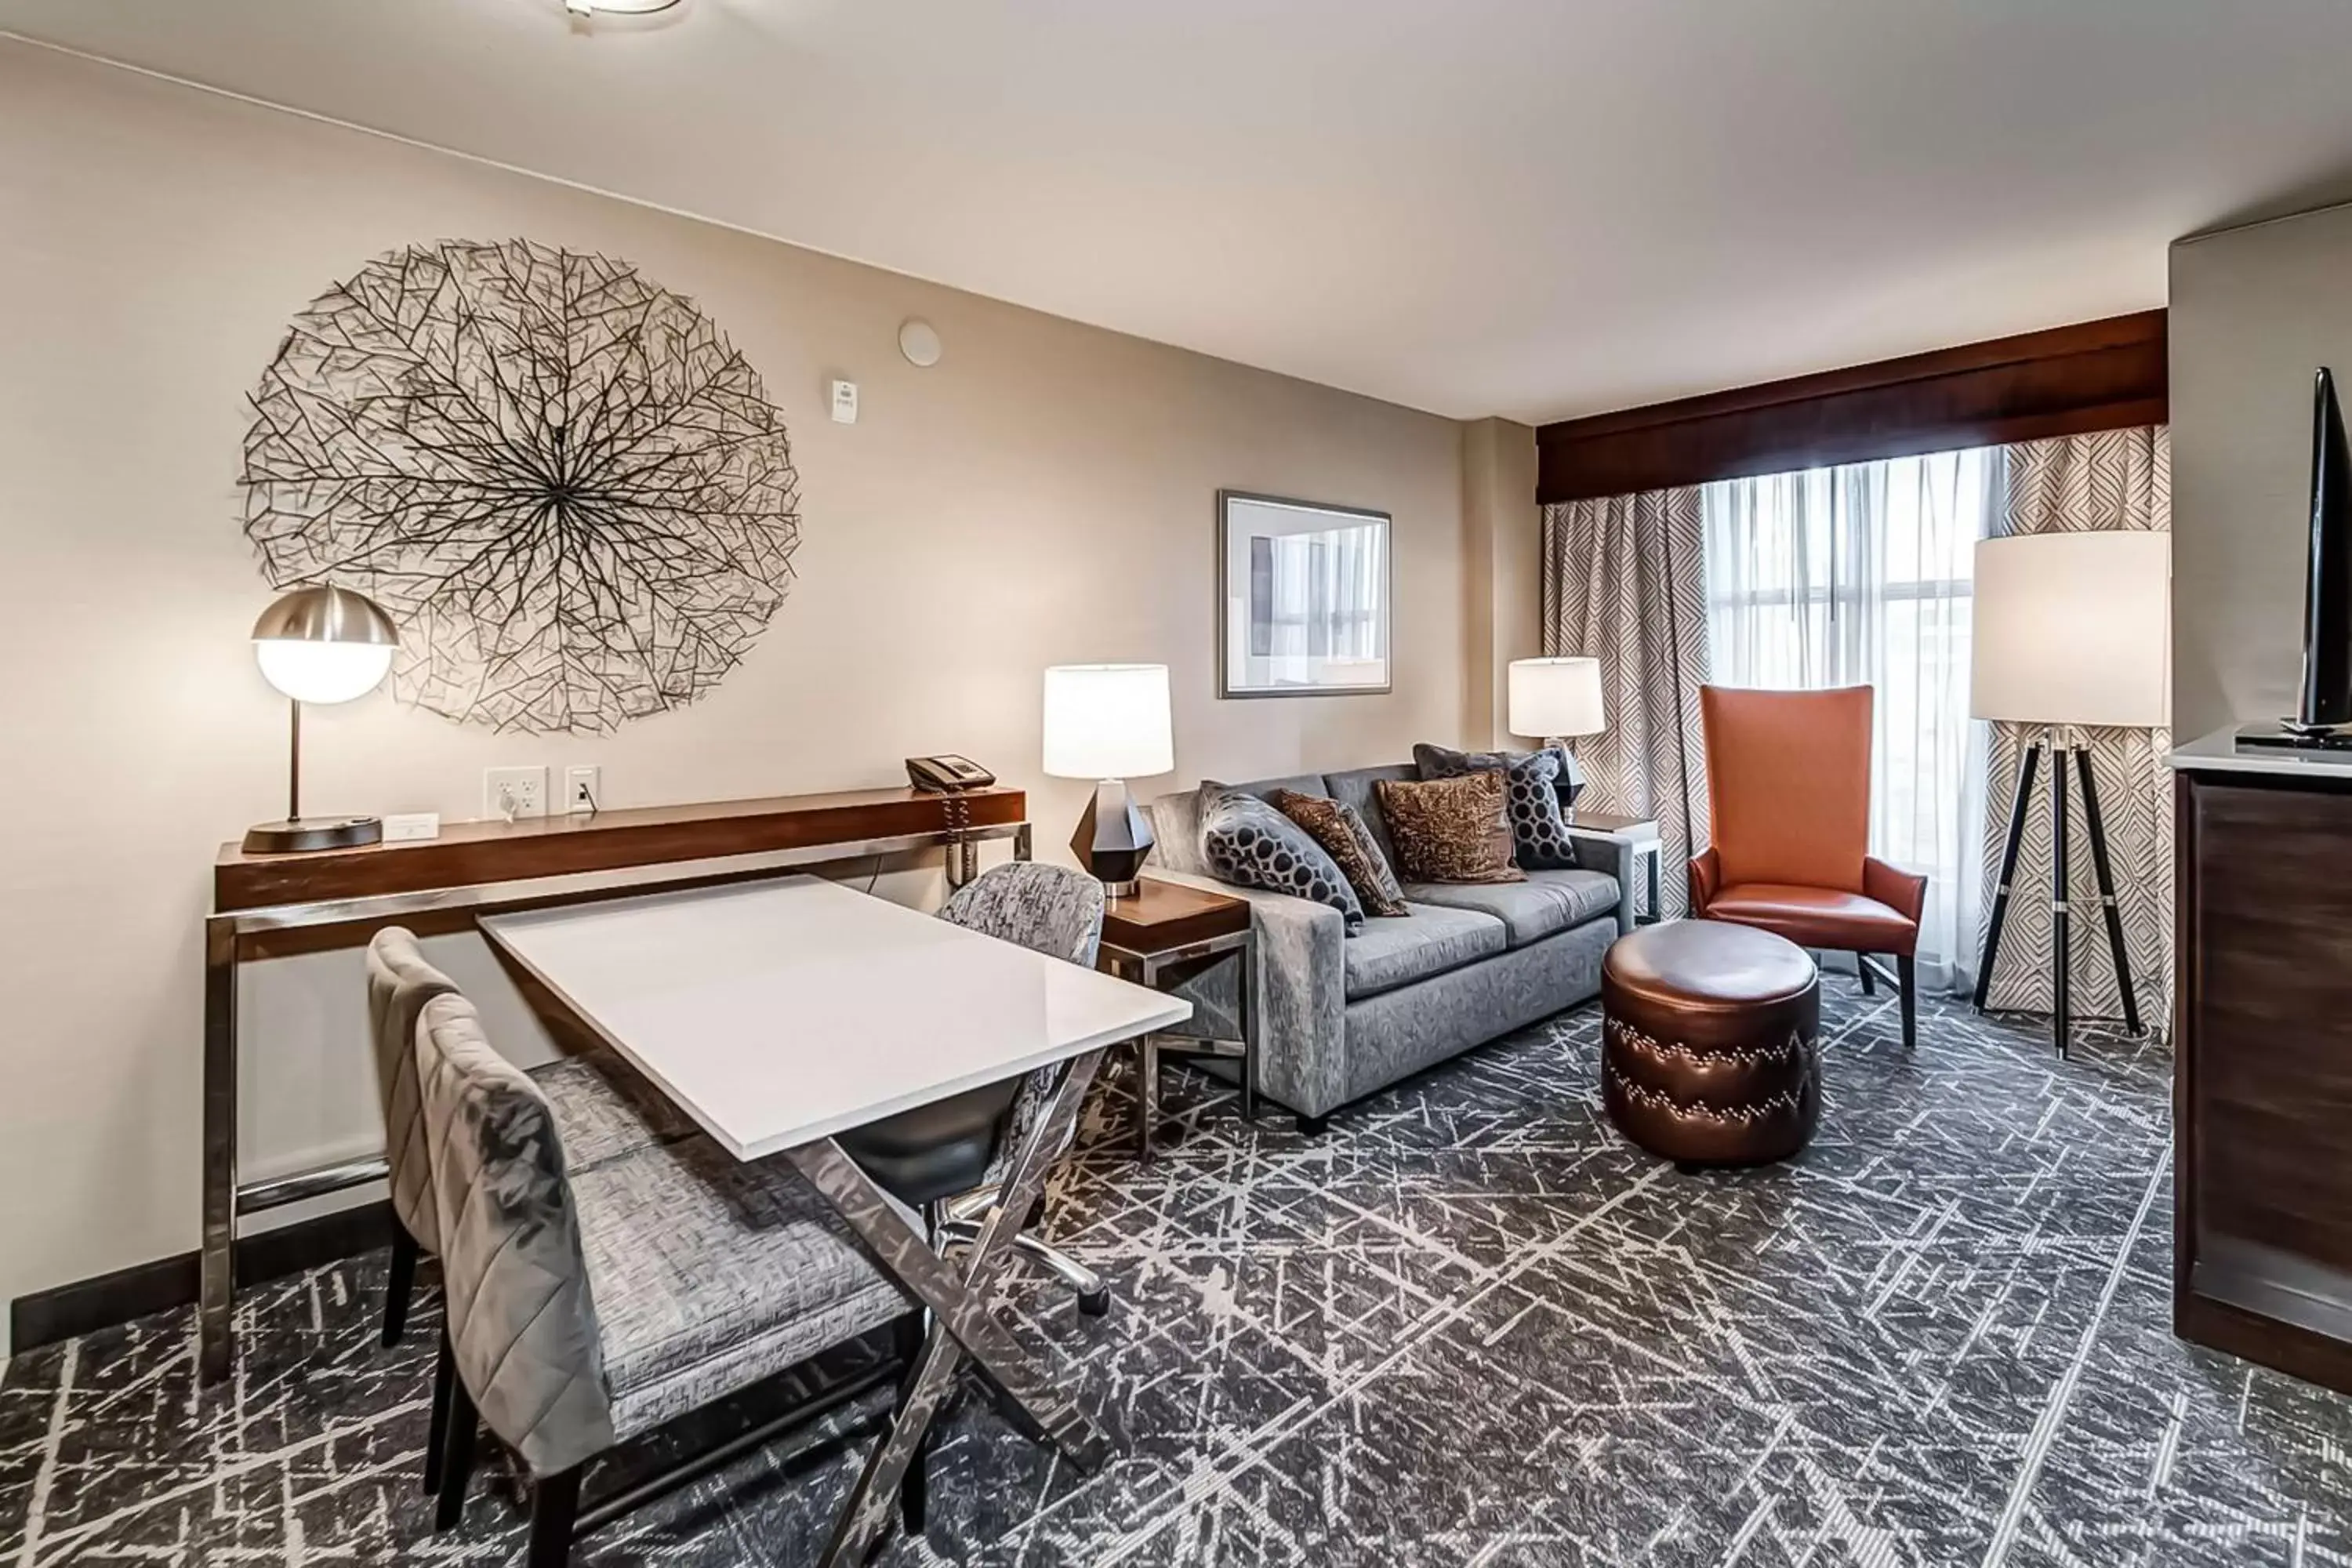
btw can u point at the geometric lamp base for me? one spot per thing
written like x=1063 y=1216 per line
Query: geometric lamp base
x=1113 y=840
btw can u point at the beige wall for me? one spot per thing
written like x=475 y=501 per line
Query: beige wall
x=2254 y=313
x=1502 y=530
x=1045 y=494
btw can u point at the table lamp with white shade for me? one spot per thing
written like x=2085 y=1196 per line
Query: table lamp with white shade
x=2069 y=629
x=1109 y=723
x=319 y=644
x=1556 y=700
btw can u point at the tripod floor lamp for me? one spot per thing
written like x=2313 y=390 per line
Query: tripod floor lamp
x=2071 y=630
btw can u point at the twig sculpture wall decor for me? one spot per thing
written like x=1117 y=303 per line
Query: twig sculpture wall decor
x=562 y=480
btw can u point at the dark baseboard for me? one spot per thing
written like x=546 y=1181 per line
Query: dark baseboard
x=45 y=1317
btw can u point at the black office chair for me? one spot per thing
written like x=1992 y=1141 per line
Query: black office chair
x=945 y=1158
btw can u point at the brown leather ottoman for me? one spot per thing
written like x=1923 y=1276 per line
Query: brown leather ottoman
x=1708 y=1042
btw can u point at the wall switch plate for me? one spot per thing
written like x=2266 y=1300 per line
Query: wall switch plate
x=583 y=788
x=843 y=396
x=513 y=793
x=407 y=826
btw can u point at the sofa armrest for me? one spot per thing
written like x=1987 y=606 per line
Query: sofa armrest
x=1705 y=881
x=1300 y=998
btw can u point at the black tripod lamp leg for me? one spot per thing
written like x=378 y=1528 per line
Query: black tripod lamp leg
x=2107 y=877
x=2017 y=809
x=2059 y=1000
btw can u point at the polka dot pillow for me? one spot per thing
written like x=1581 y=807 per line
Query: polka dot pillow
x=1246 y=842
x=1539 y=831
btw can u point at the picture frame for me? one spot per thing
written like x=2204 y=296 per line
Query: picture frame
x=1304 y=598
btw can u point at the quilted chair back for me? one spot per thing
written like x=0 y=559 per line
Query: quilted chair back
x=522 y=1325
x=1052 y=910
x=399 y=983
x=1047 y=909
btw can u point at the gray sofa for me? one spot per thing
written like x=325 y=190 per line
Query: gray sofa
x=1340 y=1016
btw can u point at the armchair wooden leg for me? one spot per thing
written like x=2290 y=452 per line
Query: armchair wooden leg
x=457 y=1456
x=400 y=1283
x=437 y=1435
x=1869 y=976
x=554 y=1508
x=1906 y=977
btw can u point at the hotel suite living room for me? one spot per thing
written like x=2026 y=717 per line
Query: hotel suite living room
x=904 y=783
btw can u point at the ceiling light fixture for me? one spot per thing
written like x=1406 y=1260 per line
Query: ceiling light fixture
x=589 y=8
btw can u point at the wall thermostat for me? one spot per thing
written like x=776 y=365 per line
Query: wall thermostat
x=920 y=341
x=845 y=401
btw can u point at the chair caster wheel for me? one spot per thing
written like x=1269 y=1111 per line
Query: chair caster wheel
x=1094 y=1303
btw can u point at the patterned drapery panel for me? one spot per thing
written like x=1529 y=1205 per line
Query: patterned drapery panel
x=2108 y=479
x=1624 y=582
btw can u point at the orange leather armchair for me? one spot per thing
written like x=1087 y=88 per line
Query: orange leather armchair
x=1788 y=777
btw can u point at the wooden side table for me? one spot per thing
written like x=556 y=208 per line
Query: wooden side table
x=1164 y=933
x=1629 y=841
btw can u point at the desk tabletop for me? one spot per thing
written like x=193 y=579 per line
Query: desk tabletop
x=782 y=1011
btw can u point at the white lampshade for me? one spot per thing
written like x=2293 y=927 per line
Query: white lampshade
x=1107 y=722
x=1552 y=697
x=324 y=671
x=2074 y=629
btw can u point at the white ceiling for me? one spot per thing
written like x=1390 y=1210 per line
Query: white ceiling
x=1538 y=208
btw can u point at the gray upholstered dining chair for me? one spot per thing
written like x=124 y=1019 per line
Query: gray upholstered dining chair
x=604 y=1111
x=949 y=1158
x=587 y=1307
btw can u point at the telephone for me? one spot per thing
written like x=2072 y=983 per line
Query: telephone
x=947 y=776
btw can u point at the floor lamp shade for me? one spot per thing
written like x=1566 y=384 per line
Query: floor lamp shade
x=1109 y=723
x=2074 y=629
x=2071 y=629
x=319 y=644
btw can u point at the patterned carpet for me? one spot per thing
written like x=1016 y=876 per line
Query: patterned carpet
x=1468 y=1326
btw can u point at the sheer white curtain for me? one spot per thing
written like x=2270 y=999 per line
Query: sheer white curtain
x=1860 y=575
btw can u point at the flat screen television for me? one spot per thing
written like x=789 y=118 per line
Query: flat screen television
x=2325 y=701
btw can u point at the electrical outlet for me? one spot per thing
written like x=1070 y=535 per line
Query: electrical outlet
x=583 y=788
x=515 y=792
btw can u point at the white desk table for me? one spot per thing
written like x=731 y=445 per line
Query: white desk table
x=779 y=1013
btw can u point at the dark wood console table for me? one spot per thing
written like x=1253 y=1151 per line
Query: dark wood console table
x=2262 y=1064
x=273 y=905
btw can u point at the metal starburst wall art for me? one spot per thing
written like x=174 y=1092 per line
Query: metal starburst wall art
x=567 y=486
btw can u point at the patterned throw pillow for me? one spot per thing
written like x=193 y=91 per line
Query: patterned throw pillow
x=1248 y=843
x=1537 y=828
x=1339 y=828
x=1450 y=830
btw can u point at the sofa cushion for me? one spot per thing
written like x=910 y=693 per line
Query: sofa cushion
x=1547 y=902
x=1451 y=830
x=1248 y=843
x=1339 y=828
x=1428 y=941
x=1297 y=784
x=1538 y=829
x=1355 y=787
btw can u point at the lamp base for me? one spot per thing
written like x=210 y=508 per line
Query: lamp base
x=1570 y=782
x=1113 y=840
x=303 y=835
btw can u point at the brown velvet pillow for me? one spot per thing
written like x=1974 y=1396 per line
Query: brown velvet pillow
x=1451 y=830
x=1339 y=830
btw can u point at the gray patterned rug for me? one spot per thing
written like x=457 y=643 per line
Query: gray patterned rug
x=1470 y=1325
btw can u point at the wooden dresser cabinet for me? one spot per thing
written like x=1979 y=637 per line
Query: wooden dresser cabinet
x=2263 y=1113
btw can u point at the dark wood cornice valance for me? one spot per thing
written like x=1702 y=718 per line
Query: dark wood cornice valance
x=2099 y=376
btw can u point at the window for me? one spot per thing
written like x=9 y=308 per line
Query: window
x=1860 y=575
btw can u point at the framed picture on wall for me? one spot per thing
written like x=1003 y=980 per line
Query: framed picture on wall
x=1303 y=595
